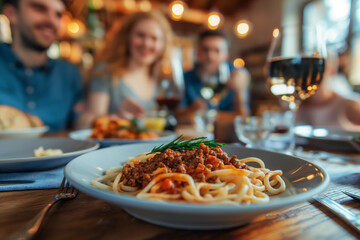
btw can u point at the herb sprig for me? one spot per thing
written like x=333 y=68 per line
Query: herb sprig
x=180 y=144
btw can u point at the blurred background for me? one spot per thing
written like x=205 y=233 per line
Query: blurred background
x=248 y=24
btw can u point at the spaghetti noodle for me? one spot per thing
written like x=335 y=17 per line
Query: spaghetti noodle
x=203 y=175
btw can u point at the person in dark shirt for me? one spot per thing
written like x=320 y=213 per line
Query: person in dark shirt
x=212 y=68
x=29 y=80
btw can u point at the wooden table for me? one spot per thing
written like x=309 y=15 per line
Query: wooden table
x=88 y=218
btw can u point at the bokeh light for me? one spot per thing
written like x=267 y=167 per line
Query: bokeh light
x=239 y=63
x=177 y=10
x=214 y=20
x=242 y=28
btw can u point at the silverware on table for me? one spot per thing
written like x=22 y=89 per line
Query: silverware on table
x=354 y=196
x=32 y=227
x=347 y=216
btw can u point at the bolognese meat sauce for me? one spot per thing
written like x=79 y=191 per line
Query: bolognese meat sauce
x=195 y=162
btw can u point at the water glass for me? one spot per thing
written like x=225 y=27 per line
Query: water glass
x=282 y=138
x=252 y=130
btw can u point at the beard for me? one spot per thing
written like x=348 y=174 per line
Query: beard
x=32 y=44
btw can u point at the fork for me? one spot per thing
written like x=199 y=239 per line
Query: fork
x=32 y=227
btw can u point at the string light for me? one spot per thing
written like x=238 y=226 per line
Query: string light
x=73 y=27
x=76 y=28
x=214 y=20
x=144 y=5
x=129 y=4
x=242 y=28
x=276 y=32
x=239 y=63
x=177 y=10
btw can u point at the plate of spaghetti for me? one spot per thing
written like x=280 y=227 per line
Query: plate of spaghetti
x=195 y=184
x=111 y=130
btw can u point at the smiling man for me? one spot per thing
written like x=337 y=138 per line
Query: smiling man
x=29 y=80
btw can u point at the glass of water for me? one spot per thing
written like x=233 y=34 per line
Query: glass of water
x=252 y=130
x=282 y=138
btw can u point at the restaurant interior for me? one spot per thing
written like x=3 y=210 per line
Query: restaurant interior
x=286 y=167
x=248 y=24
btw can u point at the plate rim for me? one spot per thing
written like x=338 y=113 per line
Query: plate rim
x=25 y=130
x=111 y=140
x=128 y=201
x=342 y=139
x=51 y=157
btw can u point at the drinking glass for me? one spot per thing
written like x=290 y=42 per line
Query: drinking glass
x=213 y=90
x=296 y=63
x=252 y=130
x=214 y=87
x=282 y=137
x=170 y=89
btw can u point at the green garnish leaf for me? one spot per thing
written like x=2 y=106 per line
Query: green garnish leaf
x=136 y=126
x=180 y=144
x=124 y=127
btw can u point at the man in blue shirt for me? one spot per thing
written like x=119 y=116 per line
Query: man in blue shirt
x=211 y=69
x=29 y=80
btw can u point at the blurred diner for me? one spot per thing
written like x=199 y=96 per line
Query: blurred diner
x=30 y=81
x=123 y=79
x=213 y=83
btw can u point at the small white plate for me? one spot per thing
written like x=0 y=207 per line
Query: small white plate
x=85 y=133
x=18 y=154
x=23 y=133
x=327 y=138
x=303 y=180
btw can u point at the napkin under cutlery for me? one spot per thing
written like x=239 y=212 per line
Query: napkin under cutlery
x=31 y=180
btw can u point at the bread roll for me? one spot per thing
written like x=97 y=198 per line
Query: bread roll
x=13 y=118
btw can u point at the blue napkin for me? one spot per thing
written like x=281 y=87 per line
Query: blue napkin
x=31 y=180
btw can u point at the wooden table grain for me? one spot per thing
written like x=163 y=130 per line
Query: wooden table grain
x=86 y=217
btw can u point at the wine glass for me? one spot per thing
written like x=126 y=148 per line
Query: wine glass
x=170 y=89
x=213 y=90
x=214 y=87
x=296 y=63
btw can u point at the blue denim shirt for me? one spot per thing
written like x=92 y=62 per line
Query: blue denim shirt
x=193 y=87
x=49 y=91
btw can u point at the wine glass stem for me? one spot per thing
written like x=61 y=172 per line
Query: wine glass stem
x=293 y=106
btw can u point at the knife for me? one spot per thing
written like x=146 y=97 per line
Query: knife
x=354 y=196
x=347 y=216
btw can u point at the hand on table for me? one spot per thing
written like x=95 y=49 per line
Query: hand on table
x=130 y=109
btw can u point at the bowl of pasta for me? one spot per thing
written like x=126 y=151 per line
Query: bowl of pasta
x=195 y=184
x=110 y=130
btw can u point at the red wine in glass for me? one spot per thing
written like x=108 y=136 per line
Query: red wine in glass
x=171 y=103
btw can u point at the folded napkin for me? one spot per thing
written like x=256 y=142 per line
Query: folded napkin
x=31 y=180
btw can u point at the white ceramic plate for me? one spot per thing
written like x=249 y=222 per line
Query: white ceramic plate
x=85 y=133
x=23 y=133
x=303 y=178
x=327 y=138
x=17 y=154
